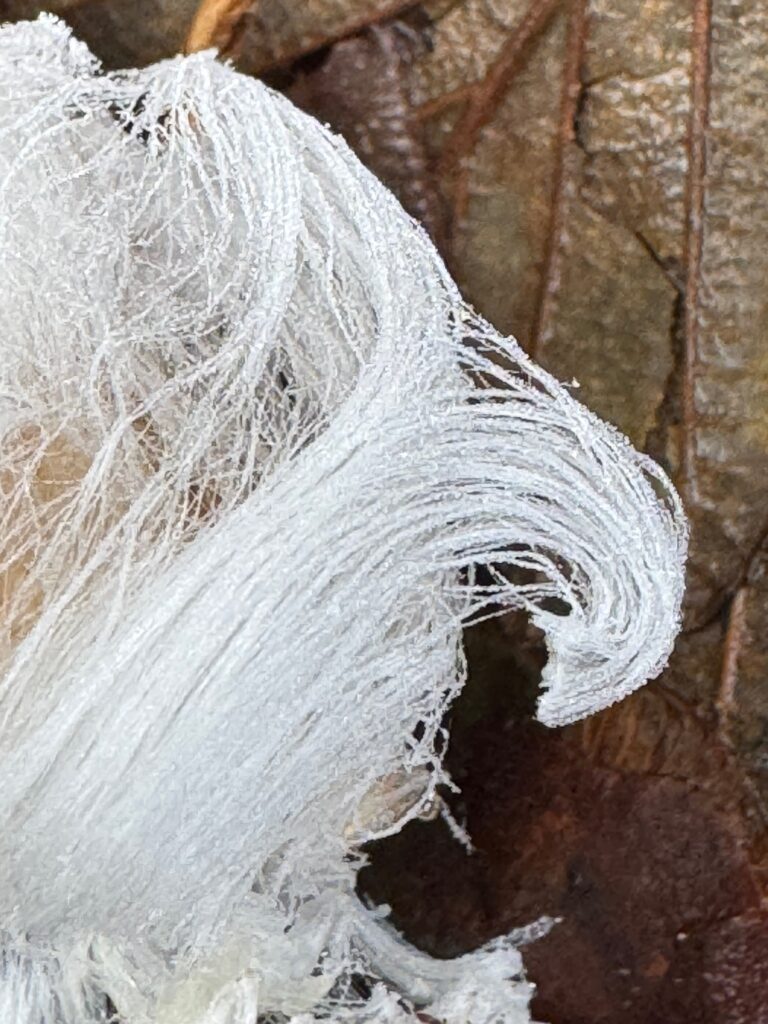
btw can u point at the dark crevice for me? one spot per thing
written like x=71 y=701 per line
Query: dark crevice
x=579 y=113
x=669 y=265
x=668 y=412
x=719 y=609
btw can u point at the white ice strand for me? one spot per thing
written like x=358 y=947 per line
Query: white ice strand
x=259 y=466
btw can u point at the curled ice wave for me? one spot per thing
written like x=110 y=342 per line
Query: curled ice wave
x=260 y=465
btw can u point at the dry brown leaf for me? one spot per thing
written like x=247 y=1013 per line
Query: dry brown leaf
x=593 y=172
x=598 y=168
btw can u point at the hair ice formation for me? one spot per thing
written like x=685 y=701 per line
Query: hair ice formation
x=253 y=449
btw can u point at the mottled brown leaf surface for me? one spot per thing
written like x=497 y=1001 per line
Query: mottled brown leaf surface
x=594 y=172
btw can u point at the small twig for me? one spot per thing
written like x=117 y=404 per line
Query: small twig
x=215 y=25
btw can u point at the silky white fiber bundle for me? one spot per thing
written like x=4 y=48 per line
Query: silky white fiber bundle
x=259 y=465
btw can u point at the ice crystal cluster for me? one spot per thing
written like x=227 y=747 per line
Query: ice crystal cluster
x=259 y=466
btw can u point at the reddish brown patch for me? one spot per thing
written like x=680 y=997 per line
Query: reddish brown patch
x=650 y=874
